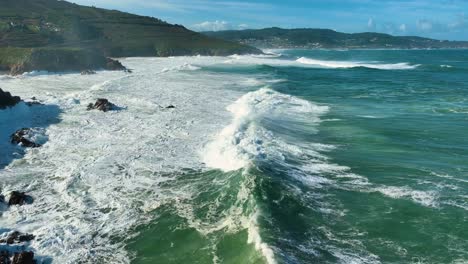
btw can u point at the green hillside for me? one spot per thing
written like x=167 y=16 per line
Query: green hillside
x=326 y=38
x=52 y=24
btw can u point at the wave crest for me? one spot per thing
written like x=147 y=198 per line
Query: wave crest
x=243 y=140
x=353 y=64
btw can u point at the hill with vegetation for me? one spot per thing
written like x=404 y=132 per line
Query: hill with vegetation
x=68 y=31
x=326 y=38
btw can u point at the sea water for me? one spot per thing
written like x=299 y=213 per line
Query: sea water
x=299 y=156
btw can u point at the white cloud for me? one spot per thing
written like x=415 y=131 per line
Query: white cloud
x=211 y=26
x=243 y=26
x=403 y=28
x=460 y=23
x=217 y=26
x=424 y=25
x=371 y=24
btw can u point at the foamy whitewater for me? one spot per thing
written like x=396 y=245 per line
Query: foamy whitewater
x=298 y=157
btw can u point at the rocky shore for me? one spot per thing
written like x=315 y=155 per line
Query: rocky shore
x=56 y=60
x=7 y=100
x=14 y=245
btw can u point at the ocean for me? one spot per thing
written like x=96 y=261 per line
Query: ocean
x=297 y=156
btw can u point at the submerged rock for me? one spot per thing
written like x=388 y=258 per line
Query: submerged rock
x=170 y=107
x=23 y=137
x=7 y=100
x=24 y=257
x=19 y=198
x=16 y=237
x=101 y=104
x=88 y=72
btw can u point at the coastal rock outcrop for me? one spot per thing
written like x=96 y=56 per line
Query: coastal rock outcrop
x=114 y=65
x=19 y=198
x=14 y=241
x=23 y=137
x=102 y=104
x=24 y=257
x=16 y=237
x=88 y=72
x=7 y=100
x=63 y=59
x=4 y=257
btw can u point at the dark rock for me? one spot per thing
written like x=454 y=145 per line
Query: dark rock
x=19 y=198
x=21 y=137
x=4 y=257
x=170 y=107
x=102 y=105
x=33 y=103
x=128 y=71
x=25 y=257
x=114 y=65
x=16 y=237
x=2 y=198
x=7 y=100
x=88 y=72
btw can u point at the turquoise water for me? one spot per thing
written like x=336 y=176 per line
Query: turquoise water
x=376 y=173
x=301 y=156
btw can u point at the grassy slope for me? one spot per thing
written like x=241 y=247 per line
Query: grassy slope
x=277 y=37
x=62 y=25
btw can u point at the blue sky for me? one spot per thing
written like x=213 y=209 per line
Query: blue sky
x=443 y=19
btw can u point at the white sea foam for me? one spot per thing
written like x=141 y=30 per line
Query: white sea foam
x=183 y=67
x=426 y=198
x=314 y=63
x=244 y=140
x=255 y=238
x=99 y=173
x=354 y=64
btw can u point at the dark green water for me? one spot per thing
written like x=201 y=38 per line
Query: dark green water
x=381 y=177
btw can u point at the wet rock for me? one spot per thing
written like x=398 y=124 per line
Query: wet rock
x=102 y=105
x=7 y=100
x=16 y=237
x=128 y=71
x=170 y=107
x=25 y=257
x=88 y=72
x=4 y=257
x=22 y=137
x=114 y=65
x=19 y=198
x=33 y=103
x=2 y=198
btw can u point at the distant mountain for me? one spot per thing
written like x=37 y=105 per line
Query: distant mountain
x=74 y=30
x=326 y=38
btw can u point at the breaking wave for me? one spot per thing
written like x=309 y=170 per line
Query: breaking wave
x=352 y=64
